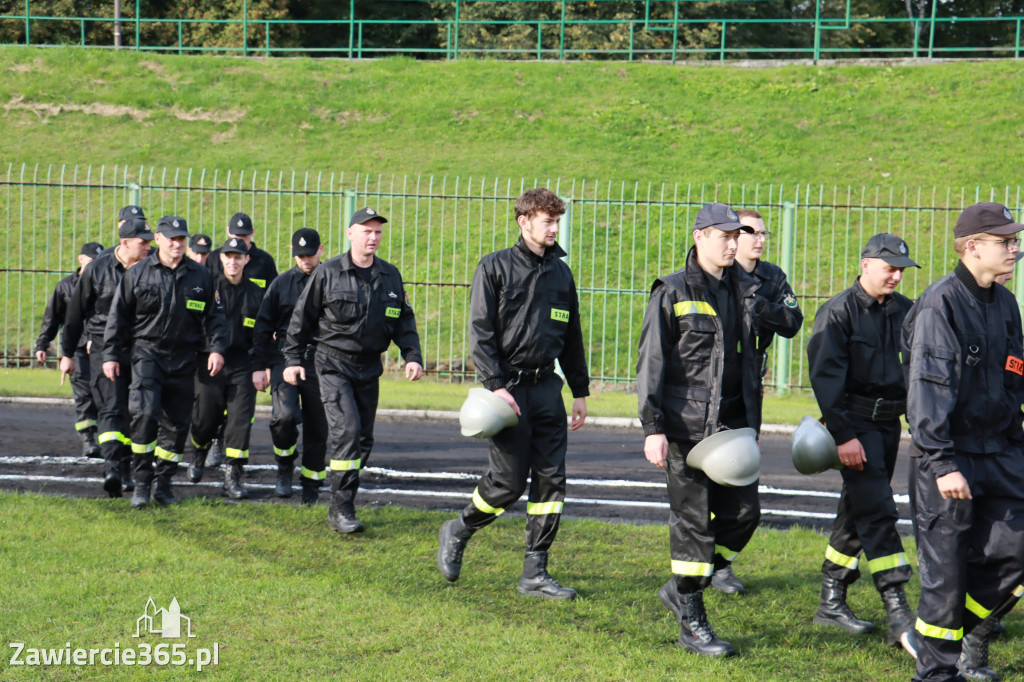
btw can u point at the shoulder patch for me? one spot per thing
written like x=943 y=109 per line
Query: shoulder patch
x=789 y=301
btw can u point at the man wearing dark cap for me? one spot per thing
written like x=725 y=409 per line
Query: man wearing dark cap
x=698 y=373
x=854 y=365
x=86 y=318
x=199 y=246
x=292 y=405
x=964 y=356
x=352 y=308
x=164 y=313
x=227 y=399
x=53 y=319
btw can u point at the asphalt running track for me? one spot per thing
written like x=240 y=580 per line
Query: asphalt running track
x=421 y=461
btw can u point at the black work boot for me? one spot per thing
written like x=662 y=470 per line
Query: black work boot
x=233 y=481
x=901 y=619
x=342 y=516
x=833 y=609
x=112 y=480
x=695 y=632
x=90 y=448
x=726 y=581
x=536 y=582
x=216 y=456
x=285 y=468
x=142 y=470
x=197 y=467
x=162 y=495
x=127 y=484
x=141 y=496
x=973 y=662
x=310 y=493
x=451 y=541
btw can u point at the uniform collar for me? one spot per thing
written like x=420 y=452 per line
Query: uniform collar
x=345 y=261
x=866 y=300
x=967 y=279
x=550 y=252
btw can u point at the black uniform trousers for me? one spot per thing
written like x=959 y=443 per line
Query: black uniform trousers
x=227 y=399
x=535 y=447
x=708 y=523
x=349 y=390
x=970 y=553
x=866 y=516
x=160 y=403
x=294 y=406
x=111 y=398
x=81 y=388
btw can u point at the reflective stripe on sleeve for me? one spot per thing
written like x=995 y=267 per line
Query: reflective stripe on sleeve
x=976 y=608
x=479 y=503
x=693 y=308
x=839 y=558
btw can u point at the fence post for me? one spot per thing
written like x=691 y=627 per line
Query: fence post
x=565 y=231
x=135 y=193
x=348 y=209
x=786 y=263
x=28 y=34
x=245 y=28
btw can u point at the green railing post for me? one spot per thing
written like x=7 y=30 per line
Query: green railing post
x=721 y=52
x=565 y=231
x=931 y=31
x=28 y=32
x=135 y=193
x=786 y=263
x=138 y=26
x=245 y=28
x=455 y=51
x=351 y=26
x=561 y=38
x=817 y=30
x=348 y=209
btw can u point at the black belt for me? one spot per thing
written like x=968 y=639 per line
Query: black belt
x=519 y=375
x=875 y=409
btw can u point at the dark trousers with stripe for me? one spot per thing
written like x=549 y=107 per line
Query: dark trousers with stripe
x=295 y=406
x=970 y=553
x=866 y=516
x=696 y=541
x=349 y=391
x=111 y=398
x=160 y=403
x=226 y=400
x=534 y=448
x=81 y=388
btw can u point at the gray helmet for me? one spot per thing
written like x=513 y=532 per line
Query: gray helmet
x=729 y=458
x=485 y=414
x=813 y=448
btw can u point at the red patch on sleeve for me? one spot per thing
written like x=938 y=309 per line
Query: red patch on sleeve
x=1015 y=365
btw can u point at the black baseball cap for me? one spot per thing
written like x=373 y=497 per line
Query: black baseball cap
x=240 y=224
x=135 y=226
x=889 y=248
x=200 y=243
x=989 y=217
x=172 y=226
x=91 y=249
x=234 y=245
x=130 y=211
x=365 y=215
x=720 y=216
x=305 y=242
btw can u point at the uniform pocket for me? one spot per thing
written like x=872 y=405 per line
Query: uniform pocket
x=147 y=299
x=343 y=306
x=934 y=365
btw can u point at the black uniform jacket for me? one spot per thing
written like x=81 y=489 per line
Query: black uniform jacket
x=91 y=301
x=56 y=312
x=965 y=360
x=339 y=311
x=169 y=313
x=855 y=349
x=274 y=316
x=523 y=314
x=679 y=370
x=260 y=270
x=241 y=304
x=775 y=305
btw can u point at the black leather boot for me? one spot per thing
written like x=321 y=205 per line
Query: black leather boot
x=233 y=481
x=536 y=582
x=216 y=456
x=90 y=448
x=973 y=662
x=141 y=496
x=310 y=492
x=197 y=467
x=142 y=470
x=162 y=495
x=695 y=632
x=285 y=468
x=127 y=484
x=726 y=581
x=833 y=609
x=901 y=619
x=342 y=515
x=451 y=541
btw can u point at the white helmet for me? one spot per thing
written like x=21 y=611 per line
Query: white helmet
x=813 y=448
x=729 y=458
x=485 y=414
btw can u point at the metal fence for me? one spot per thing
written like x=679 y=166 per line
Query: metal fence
x=781 y=30
x=619 y=237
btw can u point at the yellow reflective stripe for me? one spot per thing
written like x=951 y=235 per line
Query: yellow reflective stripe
x=112 y=435
x=235 y=453
x=692 y=568
x=345 y=464
x=693 y=308
x=726 y=553
x=143 y=448
x=885 y=563
x=199 y=446
x=285 y=453
x=841 y=559
x=977 y=609
x=543 y=508
x=1018 y=591
x=712 y=516
x=167 y=455
x=84 y=424
x=479 y=503
x=261 y=283
x=935 y=632
x=313 y=475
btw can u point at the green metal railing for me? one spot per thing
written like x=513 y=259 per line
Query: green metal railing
x=619 y=238
x=647 y=36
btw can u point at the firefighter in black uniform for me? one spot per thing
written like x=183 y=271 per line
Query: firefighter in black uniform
x=227 y=399
x=524 y=315
x=199 y=246
x=854 y=366
x=352 y=308
x=292 y=405
x=964 y=353
x=165 y=311
x=53 y=319
x=87 y=315
x=698 y=373
x=260 y=270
